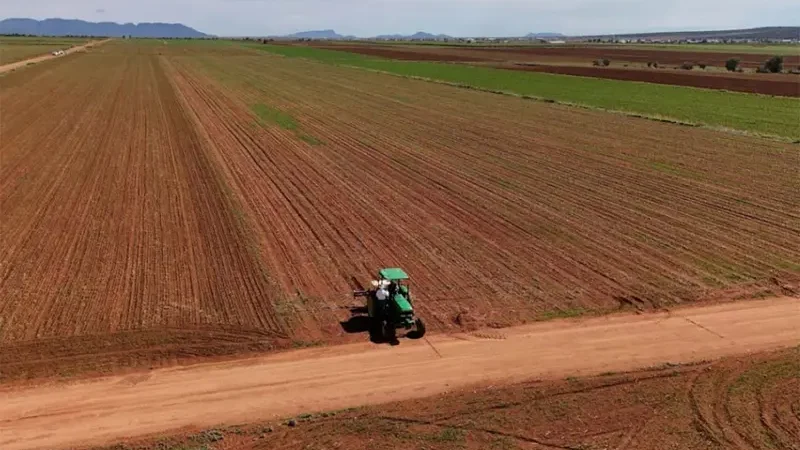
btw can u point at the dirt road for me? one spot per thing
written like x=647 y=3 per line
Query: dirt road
x=103 y=410
x=15 y=65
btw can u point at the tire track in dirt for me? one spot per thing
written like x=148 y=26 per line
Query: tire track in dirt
x=748 y=407
x=279 y=386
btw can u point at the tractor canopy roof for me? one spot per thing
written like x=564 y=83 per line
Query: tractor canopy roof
x=393 y=274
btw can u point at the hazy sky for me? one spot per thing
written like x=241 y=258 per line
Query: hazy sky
x=454 y=17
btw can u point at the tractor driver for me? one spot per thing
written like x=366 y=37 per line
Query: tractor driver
x=382 y=294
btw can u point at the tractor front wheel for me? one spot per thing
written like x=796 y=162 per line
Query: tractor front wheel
x=419 y=329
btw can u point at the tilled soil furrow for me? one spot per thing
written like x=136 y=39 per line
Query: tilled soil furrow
x=550 y=217
x=118 y=222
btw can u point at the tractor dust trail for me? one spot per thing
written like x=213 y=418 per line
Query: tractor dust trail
x=37 y=59
x=104 y=410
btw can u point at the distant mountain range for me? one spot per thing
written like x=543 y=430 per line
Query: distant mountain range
x=763 y=33
x=331 y=34
x=418 y=36
x=749 y=33
x=318 y=34
x=66 y=27
x=544 y=35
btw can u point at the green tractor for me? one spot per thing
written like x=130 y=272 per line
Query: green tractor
x=389 y=306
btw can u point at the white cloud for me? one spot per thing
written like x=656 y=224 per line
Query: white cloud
x=456 y=17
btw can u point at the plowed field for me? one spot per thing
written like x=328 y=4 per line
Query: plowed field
x=561 y=53
x=116 y=220
x=577 y=61
x=497 y=207
x=160 y=203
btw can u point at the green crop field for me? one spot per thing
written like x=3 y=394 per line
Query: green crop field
x=747 y=112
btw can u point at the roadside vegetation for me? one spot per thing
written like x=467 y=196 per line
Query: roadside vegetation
x=17 y=48
x=747 y=112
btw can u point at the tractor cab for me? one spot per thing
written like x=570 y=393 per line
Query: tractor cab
x=397 y=279
x=392 y=311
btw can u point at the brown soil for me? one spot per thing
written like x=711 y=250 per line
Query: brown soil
x=644 y=55
x=405 y=53
x=314 y=380
x=563 y=61
x=116 y=224
x=743 y=402
x=787 y=86
x=150 y=217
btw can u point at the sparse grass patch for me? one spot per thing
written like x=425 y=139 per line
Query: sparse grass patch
x=306 y=344
x=448 y=435
x=748 y=112
x=789 y=265
x=208 y=436
x=310 y=140
x=562 y=314
x=767 y=373
x=270 y=115
x=671 y=169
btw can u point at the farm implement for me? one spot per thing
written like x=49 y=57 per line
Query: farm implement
x=390 y=307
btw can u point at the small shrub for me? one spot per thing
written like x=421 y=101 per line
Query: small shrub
x=597 y=62
x=687 y=66
x=732 y=64
x=649 y=64
x=606 y=62
x=208 y=436
x=655 y=64
x=702 y=66
x=774 y=64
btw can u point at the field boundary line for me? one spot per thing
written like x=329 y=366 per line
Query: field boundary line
x=651 y=117
x=702 y=327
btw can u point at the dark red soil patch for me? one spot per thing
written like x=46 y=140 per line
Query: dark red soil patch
x=642 y=55
x=89 y=356
x=790 y=87
x=787 y=85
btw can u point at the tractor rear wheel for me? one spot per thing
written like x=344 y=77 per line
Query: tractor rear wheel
x=389 y=332
x=375 y=330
